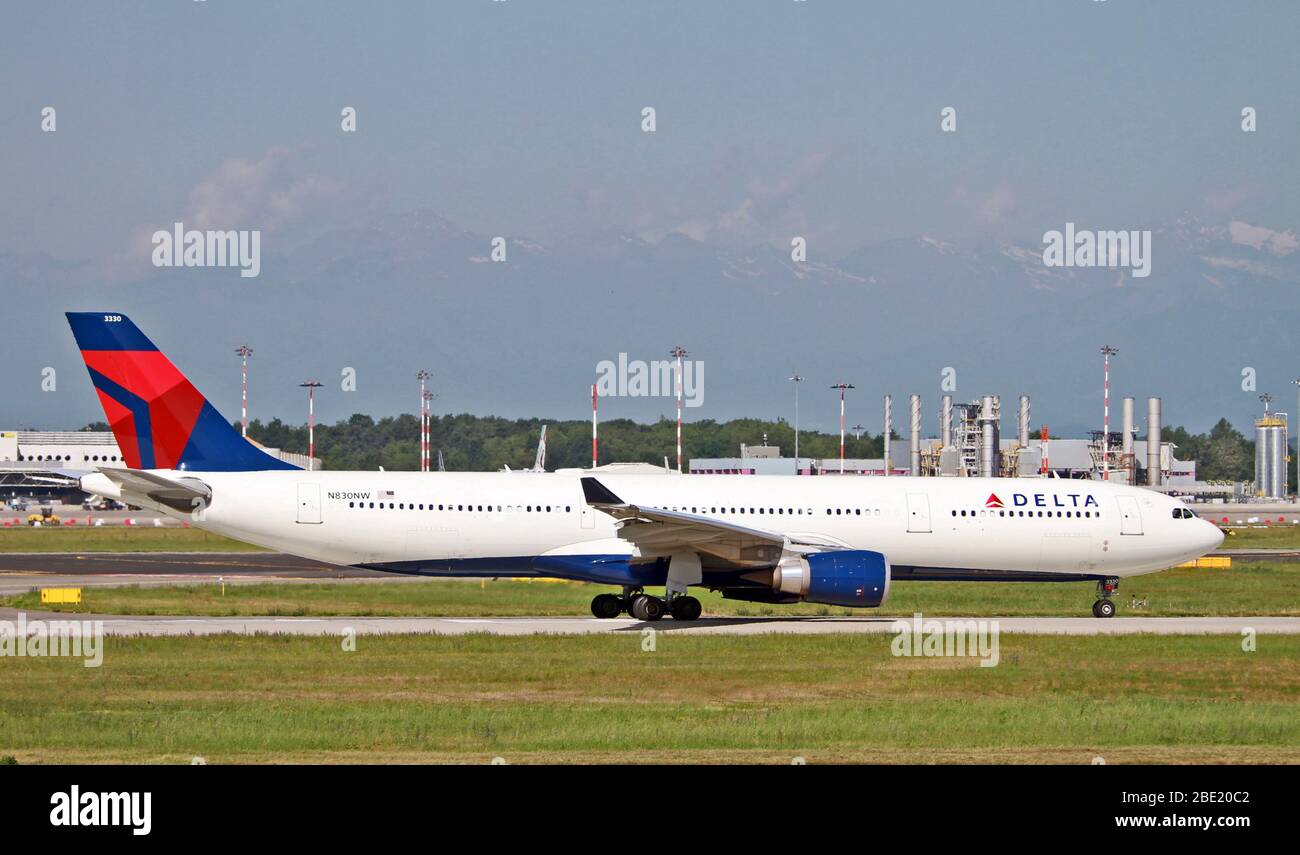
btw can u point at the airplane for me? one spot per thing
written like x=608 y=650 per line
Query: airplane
x=539 y=461
x=770 y=539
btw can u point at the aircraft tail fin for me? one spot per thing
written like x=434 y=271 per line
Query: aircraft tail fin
x=159 y=419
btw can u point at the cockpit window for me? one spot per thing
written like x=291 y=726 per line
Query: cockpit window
x=1183 y=513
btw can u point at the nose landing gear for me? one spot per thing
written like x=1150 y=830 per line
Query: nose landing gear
x=1105 y=607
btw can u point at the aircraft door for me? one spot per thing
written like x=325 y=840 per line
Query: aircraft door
x=1130 y=518
x=918 y=512
x=309 y=504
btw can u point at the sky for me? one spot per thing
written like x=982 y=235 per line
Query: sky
x=524 y=118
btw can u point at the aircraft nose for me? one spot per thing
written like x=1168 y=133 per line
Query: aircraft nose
x=1213 y=536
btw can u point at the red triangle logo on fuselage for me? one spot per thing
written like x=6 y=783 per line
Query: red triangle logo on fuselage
x=993 y=501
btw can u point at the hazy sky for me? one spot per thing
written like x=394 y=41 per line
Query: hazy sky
x=523 y=118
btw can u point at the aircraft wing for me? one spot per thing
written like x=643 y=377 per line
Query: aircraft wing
x=718 y=543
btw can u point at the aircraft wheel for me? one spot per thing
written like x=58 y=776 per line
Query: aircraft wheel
x=606 y=606
x=647 y=608
x=686 y=608
x=1103 y=609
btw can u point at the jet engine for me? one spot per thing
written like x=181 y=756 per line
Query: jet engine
x=852 y=577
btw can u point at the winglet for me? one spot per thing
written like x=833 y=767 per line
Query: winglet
x=597 y=493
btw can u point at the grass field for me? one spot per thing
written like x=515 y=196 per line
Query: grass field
x=601 y=698
x=1247 y=589
x=118 y=538
x=1275 y=537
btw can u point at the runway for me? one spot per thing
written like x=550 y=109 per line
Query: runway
x=875 y=624
x=22 y=571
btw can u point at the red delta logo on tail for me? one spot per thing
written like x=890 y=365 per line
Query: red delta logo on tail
x=159 y=419
x=993 y=501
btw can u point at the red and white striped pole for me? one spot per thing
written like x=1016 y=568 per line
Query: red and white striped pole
x=679 y=352
x=311 y=386
x=244 y=351
x=842 y=387
x=428 y=430
x=594 y=455
x=1106 y=352
x=423 y=375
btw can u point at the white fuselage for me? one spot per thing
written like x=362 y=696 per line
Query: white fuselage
x=494 y=522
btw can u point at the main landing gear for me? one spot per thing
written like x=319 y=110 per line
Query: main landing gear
x=1105 y=607
x=645 y=607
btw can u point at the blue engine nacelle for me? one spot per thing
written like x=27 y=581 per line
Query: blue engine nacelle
x=851 y=577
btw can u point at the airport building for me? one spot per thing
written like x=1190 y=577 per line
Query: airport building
x=1271 y=456
x=33 y=463
x=1068 y=458
x=971 y=444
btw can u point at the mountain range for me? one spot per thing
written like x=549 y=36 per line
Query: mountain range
x=522 y=337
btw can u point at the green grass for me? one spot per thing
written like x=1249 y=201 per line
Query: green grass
x=602 y=699
x=117 y=538
x=1273 y=537
x=1259 y=588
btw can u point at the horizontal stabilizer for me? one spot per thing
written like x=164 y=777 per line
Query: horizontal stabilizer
x=181 y=494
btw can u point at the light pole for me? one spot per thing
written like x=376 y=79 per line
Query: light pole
x=680 y=353
x=1106 y=353
x=311 y=386
x=594 y=455
x=244 y=351
x=1297 y=437
x=796 y=379
x=842 y=387
x=422 y=375
x=428 y=428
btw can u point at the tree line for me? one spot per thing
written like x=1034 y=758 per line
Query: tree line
x=477 y=443
x=480 y=443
